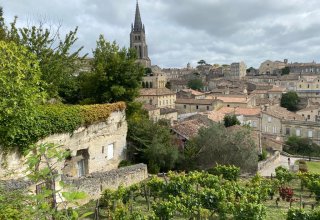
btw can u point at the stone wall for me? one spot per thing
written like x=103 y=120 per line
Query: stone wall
x=269 y=161
x=94 y=184
x=94 y=140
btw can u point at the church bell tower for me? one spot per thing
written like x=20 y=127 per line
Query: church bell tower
x=138 y=39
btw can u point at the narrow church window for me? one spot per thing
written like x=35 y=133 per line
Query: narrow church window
x=140 y=52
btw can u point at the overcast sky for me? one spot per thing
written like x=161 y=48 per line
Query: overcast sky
x=182 y=31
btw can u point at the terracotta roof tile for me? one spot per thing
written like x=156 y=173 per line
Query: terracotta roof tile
x=189 y=129
x=283 y=113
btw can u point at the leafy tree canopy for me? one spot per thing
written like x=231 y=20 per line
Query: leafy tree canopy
x=195 y=84
x=301 y=146
x=152 y=144
x=290 y=101
x=217 y=144
x=285 y=71
x=202 y=62
x=115 y=75
x=56 y=61
x=231 y=120
x=20 y=88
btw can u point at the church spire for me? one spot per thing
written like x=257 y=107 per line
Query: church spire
x=137 y=21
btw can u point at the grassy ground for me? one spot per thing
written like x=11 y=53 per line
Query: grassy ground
x=313 y=167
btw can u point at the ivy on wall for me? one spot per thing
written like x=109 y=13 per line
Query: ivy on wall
x=55 y=119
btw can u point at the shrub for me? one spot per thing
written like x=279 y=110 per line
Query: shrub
x=228 y=172
x=284 y=175
x=264 y=155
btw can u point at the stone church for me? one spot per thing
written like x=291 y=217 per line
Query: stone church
x=138 y=39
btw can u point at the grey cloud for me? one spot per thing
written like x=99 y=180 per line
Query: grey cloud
x=182 y=31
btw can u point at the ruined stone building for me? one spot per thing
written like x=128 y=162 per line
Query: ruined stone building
x=138 y=39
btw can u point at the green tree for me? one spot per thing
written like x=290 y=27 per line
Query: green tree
x=115 y=77
x=153 y=144
x=202 y=62
x=217 y=144
x=230 y=120
x=301 y=146
x=2 y=26
x=290 y=101
x=285 y=71
x=20 y=89
x=56 y=61
x=195 y=84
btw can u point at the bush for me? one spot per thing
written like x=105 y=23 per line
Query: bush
x=284 y=175
x=263 y=156
x=301 y=146
x=228 y=172
x=301 y=214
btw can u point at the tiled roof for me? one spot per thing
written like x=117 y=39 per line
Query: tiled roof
x=283 y=113
x=277 y=89
x=310 y=108
x=193 y=92
x=164 y=111
x=148 y=107
x=195 y=101
x=156 y=92
x=214 y=115
x=231 y=99
x=259 y=92
x=240 y=111
x=189 y=129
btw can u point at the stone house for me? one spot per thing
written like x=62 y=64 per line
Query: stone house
x=309 y=87
x=160 y=98
x=244 y=101
x=272 y=117
x=288 y=81
x=156 y=114
x=237 y=71
x=262 y=79
x=178 y=84
x=189 y=128
x=269 y=67
x=190 y=94
x=195 y=105
x=246 y=116
x=98 y=147
x=311 y=113
x=305 y=129
x=304 y=68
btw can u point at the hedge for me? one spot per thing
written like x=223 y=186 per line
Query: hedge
x=56 y=119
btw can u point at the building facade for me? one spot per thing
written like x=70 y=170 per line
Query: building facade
x=237 y=71
x=309 y=87
x=269 y=67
